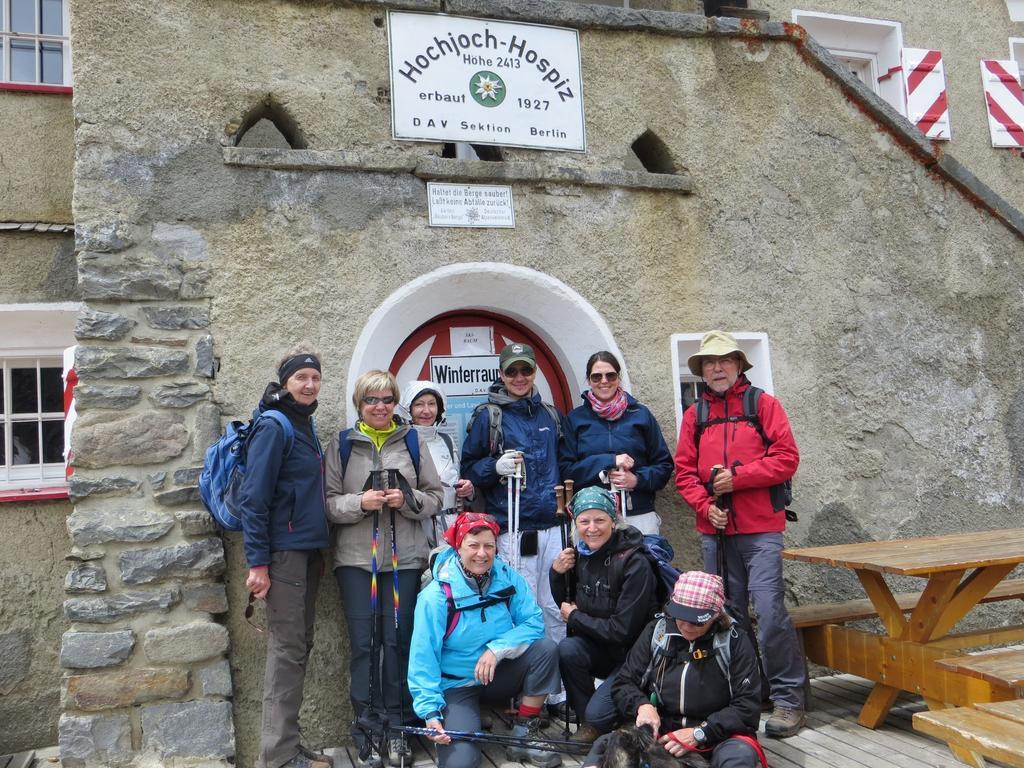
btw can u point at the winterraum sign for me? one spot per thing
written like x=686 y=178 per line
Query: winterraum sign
x=485 y=82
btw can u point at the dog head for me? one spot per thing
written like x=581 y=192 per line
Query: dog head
x=633 y=747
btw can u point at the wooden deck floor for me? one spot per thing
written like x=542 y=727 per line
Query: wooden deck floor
x=832 y=739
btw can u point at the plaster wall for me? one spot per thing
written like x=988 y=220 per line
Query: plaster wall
x=36 y=267
x=37 y=152
x=890 y=301
x=32 y=568
x=965 y=33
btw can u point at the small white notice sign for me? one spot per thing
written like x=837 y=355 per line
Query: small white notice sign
x=472 y=340
x=469 y=205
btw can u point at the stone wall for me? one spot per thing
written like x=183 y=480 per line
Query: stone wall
x=891 y=301
x=37 y=267
x=32 y=572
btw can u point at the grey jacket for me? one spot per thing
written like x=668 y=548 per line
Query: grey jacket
x=352 y=533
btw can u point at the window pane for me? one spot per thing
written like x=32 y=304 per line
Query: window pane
x=2 y=405
x=53 y=17
x=53 y=390
x=3 y=445
x=26 y=442
x=23 y=16
x=23 y=390
x=23 y=61
x=53 y=442
x=52 y=61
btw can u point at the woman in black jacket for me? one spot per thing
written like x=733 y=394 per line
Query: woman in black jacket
x=606 y=591
x=692 y=677
x=284 y=526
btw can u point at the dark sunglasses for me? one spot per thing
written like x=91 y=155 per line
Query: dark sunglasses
x=611 y=376
x=249 y=610
x=513 y=372
x=387 y=400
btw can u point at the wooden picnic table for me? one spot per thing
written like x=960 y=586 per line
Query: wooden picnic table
x=960 y=569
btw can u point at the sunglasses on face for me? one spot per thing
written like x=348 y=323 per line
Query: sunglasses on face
x=595 y=378
x=513 y=372
x=387 y=400
x=249 y=610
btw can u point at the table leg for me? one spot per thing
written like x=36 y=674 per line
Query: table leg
x=877 y=706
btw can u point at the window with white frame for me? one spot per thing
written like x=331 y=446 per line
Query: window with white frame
x=1017 y=54
x=35 y=40
x=870 y=48
x=34 y=339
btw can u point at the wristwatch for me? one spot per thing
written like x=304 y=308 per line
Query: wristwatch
x=698 y=735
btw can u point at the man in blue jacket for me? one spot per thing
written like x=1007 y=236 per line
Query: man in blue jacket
x=528 y=437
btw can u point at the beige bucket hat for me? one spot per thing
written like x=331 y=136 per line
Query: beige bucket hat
x=716 y=344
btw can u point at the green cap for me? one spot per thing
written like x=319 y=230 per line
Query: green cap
x=516 y=353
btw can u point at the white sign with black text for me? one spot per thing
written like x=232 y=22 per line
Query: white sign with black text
x=469 y=205
x=485 y=82
x=463 y=374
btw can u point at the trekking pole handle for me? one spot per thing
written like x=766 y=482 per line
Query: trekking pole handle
x=560 y=512
x=568 y=492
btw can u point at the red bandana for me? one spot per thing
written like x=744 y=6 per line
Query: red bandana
x=468 y=522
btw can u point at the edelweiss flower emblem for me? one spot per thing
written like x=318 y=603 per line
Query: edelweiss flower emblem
x=487 y=89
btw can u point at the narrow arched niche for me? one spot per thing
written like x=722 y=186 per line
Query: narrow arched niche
x=270 y=122
x=653 y=154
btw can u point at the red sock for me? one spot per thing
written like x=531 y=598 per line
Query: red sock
x=525 y=711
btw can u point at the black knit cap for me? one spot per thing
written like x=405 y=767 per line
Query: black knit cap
x=295 y=363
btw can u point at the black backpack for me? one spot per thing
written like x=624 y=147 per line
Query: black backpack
x=781 y=494
x=659 y=554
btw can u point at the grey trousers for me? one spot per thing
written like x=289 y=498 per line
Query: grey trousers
x=535 y=673
x=753 y=562
x=731 y=753
x=294 y=581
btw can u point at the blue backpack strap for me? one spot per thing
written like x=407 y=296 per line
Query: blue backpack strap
x=412 y=443
x=344 y=448
x=286 y=426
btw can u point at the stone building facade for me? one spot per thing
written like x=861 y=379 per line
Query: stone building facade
x=232 y=201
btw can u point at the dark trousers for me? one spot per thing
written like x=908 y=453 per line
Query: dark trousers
x=294 y=581
x=391 y=654
x=580 y=660
x=731 y=753
x=535 y=673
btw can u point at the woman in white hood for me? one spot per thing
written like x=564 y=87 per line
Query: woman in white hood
x=423 y=404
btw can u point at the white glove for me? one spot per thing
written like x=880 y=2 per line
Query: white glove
x=506 y=465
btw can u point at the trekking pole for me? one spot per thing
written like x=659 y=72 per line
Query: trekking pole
x=513 y=534
x=377 y=483
x=568 y=496
x=393 y=483
x=563 y=527
x=720 y=538
x=518 y=480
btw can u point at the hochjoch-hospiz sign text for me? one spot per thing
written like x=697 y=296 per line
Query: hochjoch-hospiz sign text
x=485 y=82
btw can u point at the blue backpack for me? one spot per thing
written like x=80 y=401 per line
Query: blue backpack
x=412 y=443
x=659 y=553
x=220 y=483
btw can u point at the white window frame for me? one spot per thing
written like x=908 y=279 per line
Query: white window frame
x=754 y=345
x=7 y=37
x=33 y=335
x=1016 y=9
x=1017 y=54
x=856 y=37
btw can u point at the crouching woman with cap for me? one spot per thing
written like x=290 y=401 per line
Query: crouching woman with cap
x=693 y=678
x=478 y=636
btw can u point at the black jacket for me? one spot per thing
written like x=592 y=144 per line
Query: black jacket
x=614 y=620
x=693 y=692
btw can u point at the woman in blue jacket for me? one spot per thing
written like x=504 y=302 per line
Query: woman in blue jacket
x=479 y=635
x=614 y=440
x=284 y=528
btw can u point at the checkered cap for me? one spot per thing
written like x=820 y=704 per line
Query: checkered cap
x=697 y=597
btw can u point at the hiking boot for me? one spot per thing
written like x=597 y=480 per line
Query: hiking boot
x=372 y=760
x=399 y=751
x=319 y=756
x=303 y=761
x=586 y=734
x=784 y=722
x=528 y=729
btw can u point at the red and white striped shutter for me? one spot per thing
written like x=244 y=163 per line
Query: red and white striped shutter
x=1005 y=102
x=925 y=82
x=70 y=413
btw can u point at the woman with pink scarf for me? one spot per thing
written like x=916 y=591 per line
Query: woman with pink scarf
x=614 y=441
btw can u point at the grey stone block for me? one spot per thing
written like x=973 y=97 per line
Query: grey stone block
x=177 y=497
x=103 y=236
x=177 y=318
x=129 y=362
x=194 y=729
x=15 y=657
x=79 y=487
x=195 y=522
x=179 y=394
x=119 y=396
x=84 y=554
x=90 y=650
x=204 y=357
x=207 y=598
x=120 y=688
x=86 y=577
x=94 y=739
x=205 y=430
x=103 y=524
x=186 y=643
x=188 y=475
x=142 y=438
x=194 y=560
x=92 y=324
x=129 y=275
x=105 y=610
x=156 y=480
x=180 y=241
x=216 y=679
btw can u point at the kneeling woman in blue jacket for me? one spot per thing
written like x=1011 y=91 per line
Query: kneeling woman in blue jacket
x=479 y=636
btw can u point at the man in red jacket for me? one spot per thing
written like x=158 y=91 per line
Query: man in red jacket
x=725 y=473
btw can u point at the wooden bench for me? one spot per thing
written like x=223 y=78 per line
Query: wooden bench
x=995 y=730
x=999 y=667
x=816 y=615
